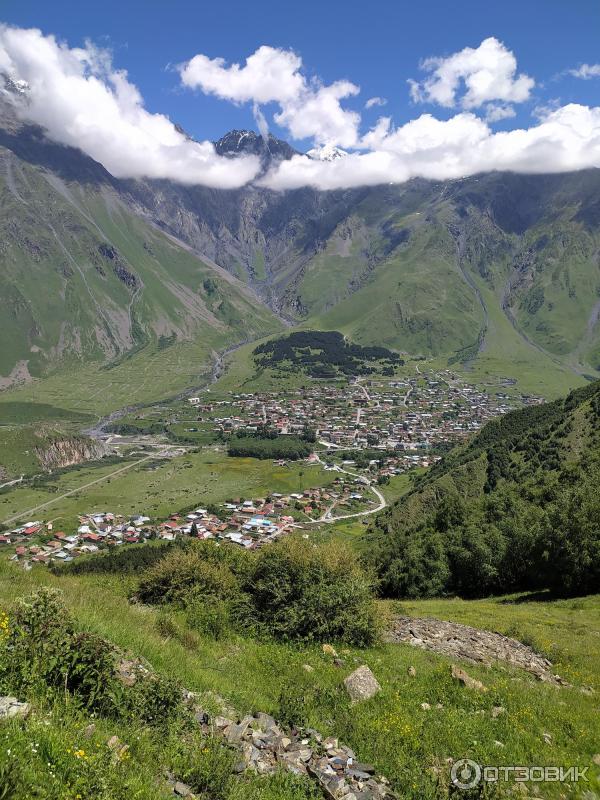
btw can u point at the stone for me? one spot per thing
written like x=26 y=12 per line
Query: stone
x=466 y=680
x=182 y=789
x=547 y=737
x=361 y=684
x=328 y=650
x=596 y=759
x=425 y=706
x=113 y=743
x=10 y=708
x=411 y=672
x=497 y=711
x=470 y=644
x=308 y=668
x=89 y=731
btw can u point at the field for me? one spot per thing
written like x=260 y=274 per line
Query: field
x=159 y=487
x=541 y=724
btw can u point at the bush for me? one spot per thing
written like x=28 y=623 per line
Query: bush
x=291 y=590
x=302 y=592
x=201 y=570
x=43 y=652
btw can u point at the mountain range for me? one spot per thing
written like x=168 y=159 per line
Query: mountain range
x=499 y=272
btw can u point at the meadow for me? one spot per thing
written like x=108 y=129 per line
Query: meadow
x=159 y=487
x=541 y=724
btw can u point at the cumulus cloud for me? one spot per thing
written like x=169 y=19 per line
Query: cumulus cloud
x=375 y=101
x=566 y=139
x=586 y=71
x=269 y=74
x=494 y=112
x=487 y=73
x=308 y=108
x=80 y=99
x=318 y=114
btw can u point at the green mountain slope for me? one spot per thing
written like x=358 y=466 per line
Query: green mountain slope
x=85 y=281
x=517 y=508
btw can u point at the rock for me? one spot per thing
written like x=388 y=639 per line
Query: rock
x=308 y=668
x=10 y=708
x=596 y=759
x=328 y=650
x=113 y=743
x=466 y=680
x=411 y=671
x=547 y=737
x=361 y=684
x=498 y=744
x=182 y=789
x=425 y=706
x=439 y=706
x=496 y=711
x=89 y=731
x=470 y=644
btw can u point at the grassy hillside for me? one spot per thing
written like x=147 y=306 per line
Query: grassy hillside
x=515 y=508
x=407 y=743
x=84 y=281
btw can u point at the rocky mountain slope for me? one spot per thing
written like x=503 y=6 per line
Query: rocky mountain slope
x=499 y=266
x=85 y=279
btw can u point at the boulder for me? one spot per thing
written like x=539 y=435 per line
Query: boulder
x=361 y=684
x=466 y=680
x=10 y=707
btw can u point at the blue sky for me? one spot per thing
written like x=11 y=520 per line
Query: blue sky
x=461 y=87
x=377 y=45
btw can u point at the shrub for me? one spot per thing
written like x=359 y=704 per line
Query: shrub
x=291 y=590
x=44 y=652
x=302 y=592
x=201 y=570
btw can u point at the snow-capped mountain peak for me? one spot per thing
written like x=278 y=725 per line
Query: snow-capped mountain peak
x=327 y=152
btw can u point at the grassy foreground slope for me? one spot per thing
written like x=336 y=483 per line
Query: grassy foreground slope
x=409 y=744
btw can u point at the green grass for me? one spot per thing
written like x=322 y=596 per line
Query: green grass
x=159 y=488
x=392 y=731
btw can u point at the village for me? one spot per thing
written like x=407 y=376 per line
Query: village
x=407 y=420
x=368 y=432
x=249 y=523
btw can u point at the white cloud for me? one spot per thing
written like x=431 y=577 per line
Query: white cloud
x=488 y=72
x=494 y=112
x=586 y=71
x=566 y=139
x=375 y=101
x=318 y=114
x=83 y=101
x=308 y=109
x=269 y=74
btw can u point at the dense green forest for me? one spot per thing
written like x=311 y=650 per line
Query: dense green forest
x=516 y=509
x=325 y=354
x=290 y=448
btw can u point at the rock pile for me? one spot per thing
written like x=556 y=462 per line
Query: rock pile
x=265 y=747
x=471 y=644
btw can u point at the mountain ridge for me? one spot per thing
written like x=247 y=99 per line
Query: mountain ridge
x=464 y=269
